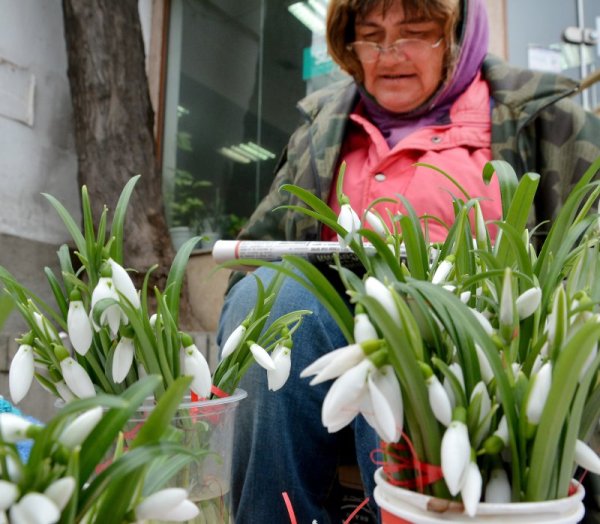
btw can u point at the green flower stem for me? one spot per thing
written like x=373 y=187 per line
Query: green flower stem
x=99 y=372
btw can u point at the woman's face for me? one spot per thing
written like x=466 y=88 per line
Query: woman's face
x=401 y=81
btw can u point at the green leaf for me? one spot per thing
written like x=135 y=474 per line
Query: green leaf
x=176 y=276
x=162 y=414
x=57 y=291
x=311 y=200
x=517 y=214
x=96 y=446
x=72 y=227
x=118 y=221
x=507 y=179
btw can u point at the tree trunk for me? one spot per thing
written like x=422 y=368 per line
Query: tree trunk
x=114 y=120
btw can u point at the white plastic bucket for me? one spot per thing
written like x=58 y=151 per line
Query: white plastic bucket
x=402 y=506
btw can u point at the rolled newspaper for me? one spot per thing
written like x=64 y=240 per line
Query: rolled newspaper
x=272 y=250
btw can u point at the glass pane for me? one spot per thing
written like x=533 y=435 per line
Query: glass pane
x=235 y=73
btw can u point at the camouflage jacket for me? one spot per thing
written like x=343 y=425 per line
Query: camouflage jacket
x=535 y=127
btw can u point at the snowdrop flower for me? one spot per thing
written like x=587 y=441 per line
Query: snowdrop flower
x=233 y=341
x=497 y=490
x=485 y=323
x=528 y=302
x=443 y=270
x=439 y=400
x=262 y=357
x=74 y=375
x=376 y=223
x=111 y=316
x=124 y=284
x=34 y=508
x=506 y=315
x=168 y=504
x=480 y=229
x=13 y=428
x=363 y=329
x=471 y=489
x=79 y=429
x=484 y=365
x=78 y=325
x=20 y=375
x=152 y=320
x=386 y=403
x=195 y=364
x=556 y=322
x=342 y=402
x=122 y=359
x=8 y=494
x=456 y=452
x=336 y=362
x=586 y=457
x=349 y=220
x=538 y=393
x=380 y=292
x=281 y=357
x=60 y=491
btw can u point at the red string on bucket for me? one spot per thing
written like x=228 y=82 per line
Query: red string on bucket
x=404 y=459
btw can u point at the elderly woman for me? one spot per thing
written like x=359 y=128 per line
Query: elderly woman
x=421 y=89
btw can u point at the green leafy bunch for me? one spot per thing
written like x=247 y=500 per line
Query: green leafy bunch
x=65 y=477
x=492 y=341
x=102 y=336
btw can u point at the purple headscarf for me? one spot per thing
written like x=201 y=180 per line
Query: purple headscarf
x=473 y=46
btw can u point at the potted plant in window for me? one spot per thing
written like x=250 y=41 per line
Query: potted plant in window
x=476 y=359
x=102 y=337
x=187 y=210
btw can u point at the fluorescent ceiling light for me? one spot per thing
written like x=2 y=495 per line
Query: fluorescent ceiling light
x=308 y=17
x=246 y=153
x=232 y=155
x=261 y=150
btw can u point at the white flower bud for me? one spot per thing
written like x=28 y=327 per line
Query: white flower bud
x=167 y=504
x=528 y=302
x=538 y=393
x=60 y=491
x=456 y=455
x=195 y=364
x=8 y=494
x=13 y=427
x=79 y=429
x=471 y=489
x=233 y=341
x=76 y=378
x=124 y=284
x=20 y=375
x=79 y=327
x=586 y=457
x=122 y=359
x=497 y=490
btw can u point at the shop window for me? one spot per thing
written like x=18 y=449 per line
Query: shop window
x=235 y=72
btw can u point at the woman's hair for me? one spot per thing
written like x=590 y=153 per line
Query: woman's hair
x=342 y=15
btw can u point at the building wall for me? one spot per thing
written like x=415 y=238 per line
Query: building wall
x=37 y=153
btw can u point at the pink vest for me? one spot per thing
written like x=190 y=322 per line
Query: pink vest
x=460 y=148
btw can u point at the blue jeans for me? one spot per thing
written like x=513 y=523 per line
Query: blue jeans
x=280 y=444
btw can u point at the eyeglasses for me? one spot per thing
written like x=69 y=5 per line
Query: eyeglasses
x=371 y=51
